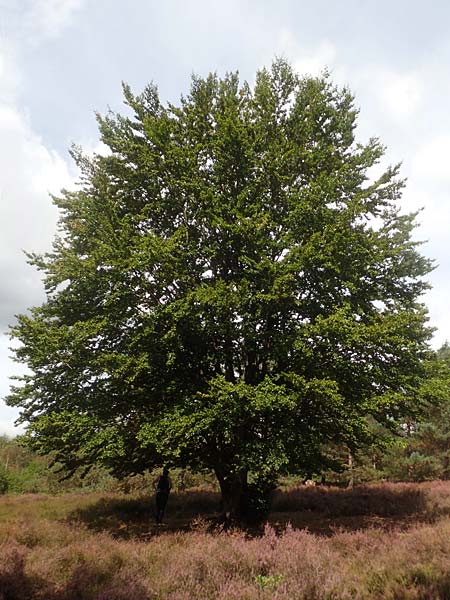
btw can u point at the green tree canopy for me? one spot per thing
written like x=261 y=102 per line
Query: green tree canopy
x=229 y=289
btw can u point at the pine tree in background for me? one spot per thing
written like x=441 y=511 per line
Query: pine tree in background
x=418 y=448
x=424 y=451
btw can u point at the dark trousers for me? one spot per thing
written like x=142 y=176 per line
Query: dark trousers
x=161 y=501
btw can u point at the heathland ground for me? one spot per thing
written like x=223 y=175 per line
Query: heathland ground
x=385 y=541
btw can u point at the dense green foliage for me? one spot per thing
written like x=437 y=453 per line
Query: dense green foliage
x=230 y=290
x=420 y=447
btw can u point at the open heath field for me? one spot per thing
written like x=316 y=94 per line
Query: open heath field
x=389 y=541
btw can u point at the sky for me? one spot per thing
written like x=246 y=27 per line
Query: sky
x=63 y=60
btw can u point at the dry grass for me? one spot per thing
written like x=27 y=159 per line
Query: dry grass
x=389 y=541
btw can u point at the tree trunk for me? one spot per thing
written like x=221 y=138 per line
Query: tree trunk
x=350 y=469
x=232 y=487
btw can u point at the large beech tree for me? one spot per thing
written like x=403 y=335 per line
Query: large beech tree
x=229 y=289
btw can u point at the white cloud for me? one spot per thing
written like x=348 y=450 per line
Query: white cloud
x=400 y=93
x=28 y=219
x=307 y=62
x=387 y=96
x=31 y=22
x=7 y=418
x=48 y=18
x=9 y=76
x=8 y=414
x=432 y=159
x=29 y=172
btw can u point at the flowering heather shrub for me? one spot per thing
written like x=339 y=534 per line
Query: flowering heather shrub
x=45 y=557
x=14 y=584
x=384 y=499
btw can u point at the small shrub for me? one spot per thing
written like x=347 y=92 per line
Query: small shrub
x=32 y=478
x=14 y=584
x=4 y=480
x=269 y=582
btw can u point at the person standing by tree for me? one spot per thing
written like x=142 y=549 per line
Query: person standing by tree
x=163 y=485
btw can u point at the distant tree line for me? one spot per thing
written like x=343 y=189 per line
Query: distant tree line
x=23 y=471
